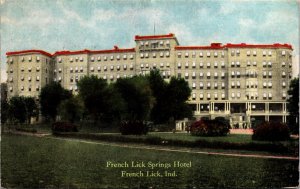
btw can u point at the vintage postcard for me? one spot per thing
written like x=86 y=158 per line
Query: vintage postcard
x=149 y=94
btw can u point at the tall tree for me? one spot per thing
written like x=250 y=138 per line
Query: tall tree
x=100 y=100
x=293 y=104
x=136 y=93
x=71 y=109
x=50 y=97
x=22 y=108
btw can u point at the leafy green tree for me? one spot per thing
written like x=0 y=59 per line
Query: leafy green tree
x=71 y=109
x=50 y=97
x=101 y=100
x=22 y=108
x=4 y=111
x=178 y=92
x=293 y=105
x=136 y=93
x=170 y=98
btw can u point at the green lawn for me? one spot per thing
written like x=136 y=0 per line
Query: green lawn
x=32 y=162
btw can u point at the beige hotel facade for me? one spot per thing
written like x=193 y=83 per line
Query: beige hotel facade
x=237 y=81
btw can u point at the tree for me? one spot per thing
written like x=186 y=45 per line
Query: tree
x=101 y=101
x=50 y=97
x=4 y=111
x=71 y=109
x=293 y=105
x=170 y=98
x=136 y=93
x=178 y=92
x=22 y=108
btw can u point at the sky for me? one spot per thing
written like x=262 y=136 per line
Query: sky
x=54 y=25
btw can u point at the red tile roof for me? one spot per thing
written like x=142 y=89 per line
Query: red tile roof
x=170 y=35
x=28 y=52
x=229 y=45
x=86 y=51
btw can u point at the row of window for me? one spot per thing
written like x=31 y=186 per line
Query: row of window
x=98 y=58
x=201 y=54
x=161 y=43
x=154 y=55
x=236 y=95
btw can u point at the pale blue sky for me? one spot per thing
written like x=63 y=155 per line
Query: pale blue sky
x=53 y=25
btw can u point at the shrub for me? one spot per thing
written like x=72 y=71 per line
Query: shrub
x=273 y=131
x=62 y=126
x=133 y=127
x=210 y=128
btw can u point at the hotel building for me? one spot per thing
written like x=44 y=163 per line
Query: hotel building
x=237 y=81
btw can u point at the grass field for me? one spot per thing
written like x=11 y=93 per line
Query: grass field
x=32 y=162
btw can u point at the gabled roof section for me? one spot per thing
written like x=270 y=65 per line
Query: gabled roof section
x=86 y=51
x=28 y=52
x=244 y=45
x=212 y=46
x=147 y=37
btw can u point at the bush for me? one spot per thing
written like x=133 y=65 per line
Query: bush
x=134 y=127
x=26 y=129
x=62 y=126
x=273 y=131
x=210 y=128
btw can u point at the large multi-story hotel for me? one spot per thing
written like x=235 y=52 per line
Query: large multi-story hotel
x=237 y=81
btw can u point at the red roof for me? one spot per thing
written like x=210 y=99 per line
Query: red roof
x=170 y=35
x=244 y=45
x=86 y=51
x=28 y=52
x=229 y=45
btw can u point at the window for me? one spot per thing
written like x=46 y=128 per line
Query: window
x=118 y=57
x=232 y=74
x=215 y=54
x=283 y=64
x=186 y=75
x=232 y=95
x=238 y=84
x=118 y=76
x=208 y=65
x=111 y=67
x=238 y=95
x=124 y=57
x=59 y=70
x=223 y=85
x=248 y=63
x=223 y=74
x=92 y=59
x=270 y=64
x=29 y=58
x=232 y=53
x=216 y=75
x=248 y=53
x=254 y=63
x=208 y=74
x=131 y=66
x=81 y=58
x=29 y=78
x=223 y=64
x=179 y=54
x=216 y=64
x=223 y=96
x=264 y=95
x=264 y=84
x=131 y=56
x=283 y=95
x=179 y=65
x=264 y=74
x=161 y=54
x=194 y=96
x=146 y=55
x=81 y=69
x=161 y=65
x=105 y=68
x=111 y=77
x=105 y=58
x=270 y=95
x=29 y=69
x=208 y=54
x=283 y=84
x=208 y=96
x=142 y=65
x=194 y=75
x=238 y=64
x=232 y=84
x=111 y=57
x=208 y=85
x=29 y=88
x=186 y=54
x=124 y=66
x=167 y=54
x=216 y=96
x=270 y=53
x=118 y=67
x=92 y=69
x=254 y=53
x=99 y=58
x=22 y=70
x=201 y=54
x=270 y=74
x=154 y=65
x=161 y=43
x=38 y=69
x=216 y=85
x=99 y=68
x=37 y=78
x=194 y=64
x=283 y=53
x=201 y=85
x=22 y=78
x=201 y=96
x=186 y=65
x=232 y=64
x=223 y=54
x=238 y=74
x=193 y=55
x=201 y=65
x=270 y=84
x=201 y=74
x=283 y=74
x=147 y=65
x=264 y=53
x=194 y=85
